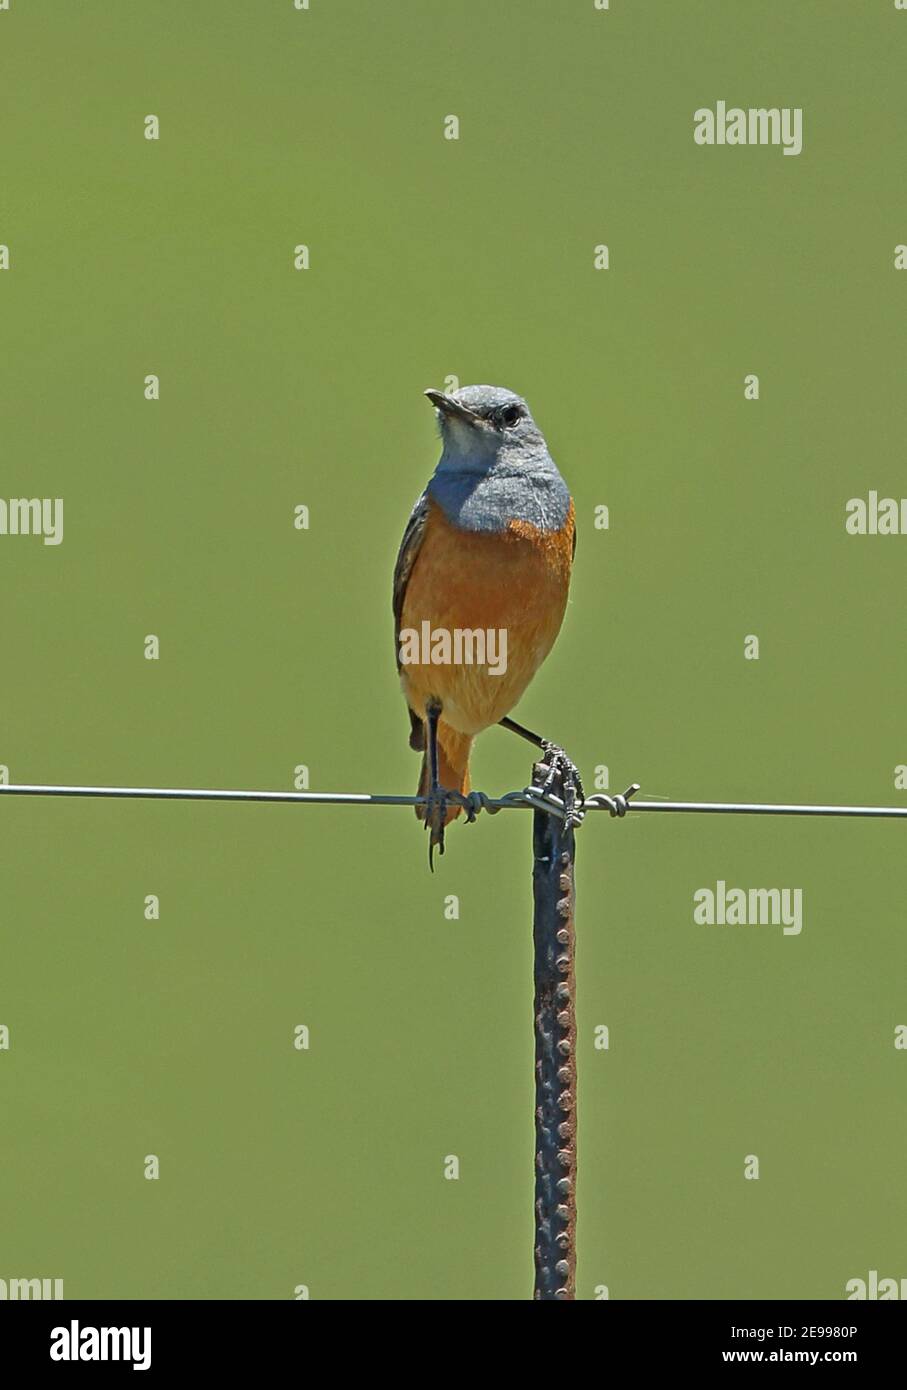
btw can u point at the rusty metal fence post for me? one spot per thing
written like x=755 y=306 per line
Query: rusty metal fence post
x=555 y=1053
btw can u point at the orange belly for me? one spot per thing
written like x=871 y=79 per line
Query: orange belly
x=515 y=581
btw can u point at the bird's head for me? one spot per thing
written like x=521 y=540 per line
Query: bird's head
x=481 y=424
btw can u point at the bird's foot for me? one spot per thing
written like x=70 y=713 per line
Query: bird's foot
x=438 y=802
x=435 y=821
x=563 y=772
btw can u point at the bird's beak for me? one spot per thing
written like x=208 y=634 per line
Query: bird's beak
x=448 y=406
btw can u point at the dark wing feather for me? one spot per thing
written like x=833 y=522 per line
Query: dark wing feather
x=406 y=558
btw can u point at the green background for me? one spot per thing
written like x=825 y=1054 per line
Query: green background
x=475 y=258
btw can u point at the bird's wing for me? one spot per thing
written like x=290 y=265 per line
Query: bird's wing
x=406 y=558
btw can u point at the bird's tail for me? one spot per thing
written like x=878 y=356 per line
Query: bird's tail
x=453 y=771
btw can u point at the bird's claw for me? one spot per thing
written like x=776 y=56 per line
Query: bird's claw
x=435 y=817
x=436 y=804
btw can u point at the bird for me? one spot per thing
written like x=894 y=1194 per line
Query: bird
x=488 y=549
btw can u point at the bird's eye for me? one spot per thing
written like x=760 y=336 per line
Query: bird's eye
x=509 y=416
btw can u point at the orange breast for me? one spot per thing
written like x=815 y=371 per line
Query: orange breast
x=514 y=582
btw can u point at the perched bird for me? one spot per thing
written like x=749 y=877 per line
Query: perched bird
x=488 y=549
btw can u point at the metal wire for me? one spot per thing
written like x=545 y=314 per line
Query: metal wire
x=527 y=799
x=763 y=809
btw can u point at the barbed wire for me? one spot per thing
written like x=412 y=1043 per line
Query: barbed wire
x=529 y=798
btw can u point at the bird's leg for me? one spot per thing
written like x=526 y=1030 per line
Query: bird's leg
x=436 y=803
x=559 y=766
x=523 y=732
x=438 y=799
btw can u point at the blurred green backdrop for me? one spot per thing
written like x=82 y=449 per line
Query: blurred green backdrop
x=474 y=258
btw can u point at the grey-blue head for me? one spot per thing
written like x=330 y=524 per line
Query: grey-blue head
x=494 y=466
x=481 y=425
